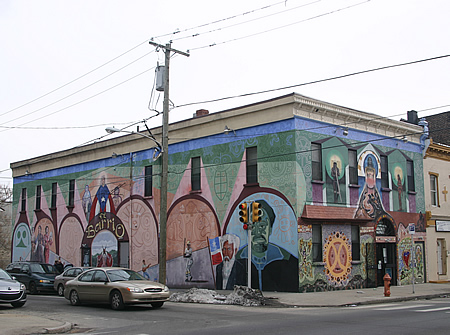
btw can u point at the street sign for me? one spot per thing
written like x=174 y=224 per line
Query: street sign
x=412 y=228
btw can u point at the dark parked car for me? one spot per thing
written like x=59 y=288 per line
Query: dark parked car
x=37 y=277
x=117 y=287
x=69 y=274
x=11 y=291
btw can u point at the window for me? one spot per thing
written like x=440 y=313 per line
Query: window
x=384 y=172
x=356 y=255
x=410 y=173
x=71 y=192
x=148 y=186
x=195 y=174
x=434 y=189
x=54 y=190
x=38 y=196
x=23 y=206
x=316 y=158
x=252 y=165
x=352 y=167
x=317 y=243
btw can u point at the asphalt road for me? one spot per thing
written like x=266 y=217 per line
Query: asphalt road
x=413 y=317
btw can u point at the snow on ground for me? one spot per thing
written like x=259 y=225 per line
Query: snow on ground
x=241 y=295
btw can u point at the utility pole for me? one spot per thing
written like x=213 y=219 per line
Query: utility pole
x=165 y=162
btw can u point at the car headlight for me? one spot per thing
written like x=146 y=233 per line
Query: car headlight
x=22 y=287
x=166 y=289
x=45 y=281
x=135 y=289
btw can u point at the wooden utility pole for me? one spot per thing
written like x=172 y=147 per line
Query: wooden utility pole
x=165 y=163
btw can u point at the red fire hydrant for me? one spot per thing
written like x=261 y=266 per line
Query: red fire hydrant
x=387 y=286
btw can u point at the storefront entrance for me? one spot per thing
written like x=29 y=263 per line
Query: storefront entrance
x=386 y=262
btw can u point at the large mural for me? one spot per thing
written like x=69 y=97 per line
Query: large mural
x=104 y=218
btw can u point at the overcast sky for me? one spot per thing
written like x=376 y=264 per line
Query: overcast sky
x=69 y=69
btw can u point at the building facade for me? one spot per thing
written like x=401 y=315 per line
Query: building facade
x=436 y=170
x=337 y=190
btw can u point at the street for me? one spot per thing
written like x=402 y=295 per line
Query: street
x=413 y=317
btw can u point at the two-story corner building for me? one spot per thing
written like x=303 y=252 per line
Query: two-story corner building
x=337 y=189
x=436 y=166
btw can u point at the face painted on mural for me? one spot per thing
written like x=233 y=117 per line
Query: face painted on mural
x=260 y=234
x=337 y=257
x=228 y=251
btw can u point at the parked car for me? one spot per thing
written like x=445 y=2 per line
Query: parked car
x=11 y=291
x=115 y=286
x=69 y=274
x=37 y=277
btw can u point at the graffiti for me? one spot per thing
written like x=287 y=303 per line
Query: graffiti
x=337 y=259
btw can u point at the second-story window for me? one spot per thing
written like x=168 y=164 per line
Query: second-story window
x=148 y=184
x=23 y=205
x=71 y=192
x=38 y=196
x=384 y=172
x=352 y=167
x=252 y=165
x=195 y=174
x=434 y=189
x=54 y=190
x=316 y=158
x=356 y=254
x=410 y=174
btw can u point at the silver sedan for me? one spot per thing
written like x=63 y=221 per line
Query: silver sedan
x=115 y=286
x=11 y=291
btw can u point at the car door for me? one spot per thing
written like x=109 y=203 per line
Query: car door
x=100 y=287
x=83 y=286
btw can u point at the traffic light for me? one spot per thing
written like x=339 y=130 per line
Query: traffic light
x=243 y=214
x=256 y=212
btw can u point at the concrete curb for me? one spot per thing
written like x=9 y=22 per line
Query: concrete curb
x=67 y=326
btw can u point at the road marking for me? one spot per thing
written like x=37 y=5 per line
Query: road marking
x=400 y=307
x=372 y=306
x=433 y=309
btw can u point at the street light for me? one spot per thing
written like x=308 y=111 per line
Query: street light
x=156 y=154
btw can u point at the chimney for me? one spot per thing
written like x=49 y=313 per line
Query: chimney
x=201 y=112
x=412 y=117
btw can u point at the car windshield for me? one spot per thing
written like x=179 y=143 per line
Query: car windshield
x=43 y=268
x=4 y=275
x=123 y=275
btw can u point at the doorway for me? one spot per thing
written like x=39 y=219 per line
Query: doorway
x=386 y=262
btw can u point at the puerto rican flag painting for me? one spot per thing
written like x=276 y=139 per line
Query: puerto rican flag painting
x=216 y=251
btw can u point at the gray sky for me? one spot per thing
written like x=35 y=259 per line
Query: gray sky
x=62 y=81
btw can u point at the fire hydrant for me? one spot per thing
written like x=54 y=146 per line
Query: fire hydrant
x=387 y=286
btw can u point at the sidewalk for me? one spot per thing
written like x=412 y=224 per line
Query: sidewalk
x=358 y=297
x=20 y=324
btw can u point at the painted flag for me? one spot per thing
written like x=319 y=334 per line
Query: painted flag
x=216 y=251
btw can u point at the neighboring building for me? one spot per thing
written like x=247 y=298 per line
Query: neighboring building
x=337 y=187
x=436 y=166
x=439 y=125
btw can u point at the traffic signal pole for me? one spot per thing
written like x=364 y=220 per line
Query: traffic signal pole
x=165 y=162
x=249 y=260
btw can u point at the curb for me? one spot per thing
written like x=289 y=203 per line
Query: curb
x=67 y=326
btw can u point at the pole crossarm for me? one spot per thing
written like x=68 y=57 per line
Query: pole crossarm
x=169 y=48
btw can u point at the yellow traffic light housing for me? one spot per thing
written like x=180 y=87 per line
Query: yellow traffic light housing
x=256 y=212
x=243 y=213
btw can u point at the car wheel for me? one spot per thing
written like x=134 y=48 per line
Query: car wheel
x=157 y=304
x=74 y=298
x=60 y=290
x=17 y=304
x=117 y=301
x=32 y=288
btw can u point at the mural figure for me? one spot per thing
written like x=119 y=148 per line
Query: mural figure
x=189 y=261
x=87 y=202
x=335 y=177
x=117 y=199
x=370 y=200
x=40 y=245
x=48 y=241
x=231 y=271
x=103 y=201
x=34 y=246
x=144 y=269
x=400 y=191
x=104 y=259
x=273 y=268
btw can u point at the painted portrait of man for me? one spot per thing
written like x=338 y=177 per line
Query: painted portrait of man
x=231 y=271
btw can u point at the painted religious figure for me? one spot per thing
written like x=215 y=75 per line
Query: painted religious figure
x=335 y=177
x=103 y=201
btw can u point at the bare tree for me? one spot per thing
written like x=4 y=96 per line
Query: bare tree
x=5 y=224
